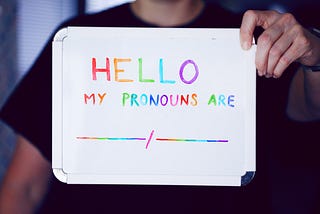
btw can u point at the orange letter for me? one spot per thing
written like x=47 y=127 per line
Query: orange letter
x=194 y=101
x=101 y=96
x=117 y=70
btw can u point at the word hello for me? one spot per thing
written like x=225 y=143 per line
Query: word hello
x=117 y=71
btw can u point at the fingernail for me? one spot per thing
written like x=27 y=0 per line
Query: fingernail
x=260 y=73
x=245 y=45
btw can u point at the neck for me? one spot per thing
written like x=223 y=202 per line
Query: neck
x=167 y=13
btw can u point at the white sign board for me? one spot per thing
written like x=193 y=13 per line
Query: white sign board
x=153 y=106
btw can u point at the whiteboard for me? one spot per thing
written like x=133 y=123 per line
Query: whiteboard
x=158 y=106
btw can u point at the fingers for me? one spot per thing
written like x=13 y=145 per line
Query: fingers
x=284 y=51
x=252 y=19
x=283 y=41
x=279 y=45
x=267 y=48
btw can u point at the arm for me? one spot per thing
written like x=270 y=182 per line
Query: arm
x=304 y=96
x=26 y=180
x=285 y=41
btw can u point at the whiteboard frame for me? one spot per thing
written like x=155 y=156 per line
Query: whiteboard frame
x=57 y=131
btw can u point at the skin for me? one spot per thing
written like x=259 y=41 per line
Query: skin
x=283 y=42
x=167 y=13
x=26 y=181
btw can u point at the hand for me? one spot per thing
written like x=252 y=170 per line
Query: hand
x=283 y=41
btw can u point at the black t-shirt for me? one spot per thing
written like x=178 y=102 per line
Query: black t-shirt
x=28 y=111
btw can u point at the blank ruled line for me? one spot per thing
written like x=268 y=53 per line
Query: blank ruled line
x=191 y=140
x=112 y=138
x=186 y=140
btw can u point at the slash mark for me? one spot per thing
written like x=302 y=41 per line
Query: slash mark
x=150 y=137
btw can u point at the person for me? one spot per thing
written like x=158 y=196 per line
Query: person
x=287 y=93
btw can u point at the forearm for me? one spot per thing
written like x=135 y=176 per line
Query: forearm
x=312 y=93
x=26 y=181
x=15 y=200
x=304 y=100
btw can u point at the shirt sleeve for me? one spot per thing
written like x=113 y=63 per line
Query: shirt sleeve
x=28 y=109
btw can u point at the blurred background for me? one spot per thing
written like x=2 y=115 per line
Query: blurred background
x=25 y=27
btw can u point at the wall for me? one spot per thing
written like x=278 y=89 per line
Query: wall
x=8 y=57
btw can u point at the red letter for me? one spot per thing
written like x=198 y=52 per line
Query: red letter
x=184 y=99
x=86 y=97
x=95 y=69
